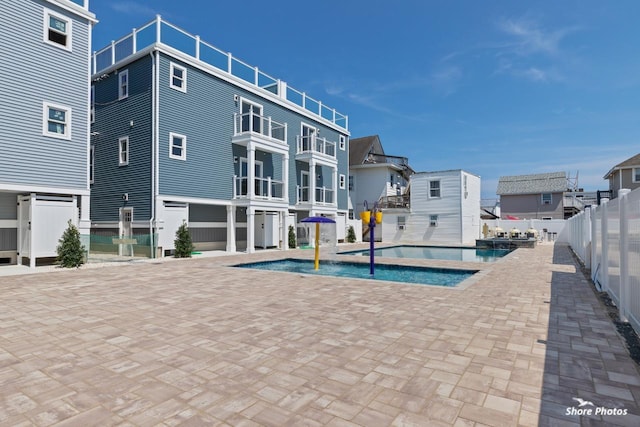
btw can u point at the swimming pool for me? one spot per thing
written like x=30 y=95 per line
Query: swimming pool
x=435 y=252
x=394 y=273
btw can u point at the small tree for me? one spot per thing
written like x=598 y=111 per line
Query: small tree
x=70 y=249
x=183 y=243
x=292 y=238
x=351 y=235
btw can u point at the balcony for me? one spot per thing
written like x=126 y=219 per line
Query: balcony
x=264 y=188
x=323 y=196
x=266 y=131
x=313 y=147
x=161 y=33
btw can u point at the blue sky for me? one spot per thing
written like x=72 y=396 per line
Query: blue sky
x=492 y=87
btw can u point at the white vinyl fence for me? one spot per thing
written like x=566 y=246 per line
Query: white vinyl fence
x=607 y=239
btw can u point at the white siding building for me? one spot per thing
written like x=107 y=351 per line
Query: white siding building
x=444 y=208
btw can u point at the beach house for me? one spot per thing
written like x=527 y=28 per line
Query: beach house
x=44 y=180
x=184 y=132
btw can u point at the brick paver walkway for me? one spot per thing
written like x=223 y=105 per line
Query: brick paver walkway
x=198 y=343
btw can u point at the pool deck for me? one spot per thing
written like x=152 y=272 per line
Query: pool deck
x=198 y=343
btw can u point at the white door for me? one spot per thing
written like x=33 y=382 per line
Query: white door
x=304 y=186
x=126 y=231
x=251 y=117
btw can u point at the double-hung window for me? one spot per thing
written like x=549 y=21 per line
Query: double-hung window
x=342 y=181
x=123 y=151
x=636 y=174
x=546 y=198
x=342 y=144
x=434 y=189
x=177 y=146
x=178 y=77
x=56 y=121
x=57 y=30
x=123 y=84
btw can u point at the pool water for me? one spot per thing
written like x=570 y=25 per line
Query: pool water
x=436 y=252
x=394 y=273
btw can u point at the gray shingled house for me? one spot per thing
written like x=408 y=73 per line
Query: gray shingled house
x=538 y=196
x=624 y=175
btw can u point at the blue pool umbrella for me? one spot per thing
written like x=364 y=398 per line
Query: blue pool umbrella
x=318 y=220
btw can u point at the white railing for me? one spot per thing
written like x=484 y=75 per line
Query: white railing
x=254 y=123
x=324 y=196
x=313 y=144
x=159 y=31
x=607 y=239
x=303 y=194
x=264 y=188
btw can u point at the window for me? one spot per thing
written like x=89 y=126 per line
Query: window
x=123 y=84
x=636 y=174
x=177 y=146
x=251 y=116
x=92 y=108
x=56 y=121
x=343 y=142
x=178 y=76
x=434 y=188
x=546 y=198
x=351 y=182
x=433 y=220
x=123 y=151
x=92 y=162
x=57 y=30
x=342 y=181
x=402 y=222
x=351 y=216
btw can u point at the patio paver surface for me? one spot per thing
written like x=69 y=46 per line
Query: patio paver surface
x=199 y=343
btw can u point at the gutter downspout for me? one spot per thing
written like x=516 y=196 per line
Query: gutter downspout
x=154 y=155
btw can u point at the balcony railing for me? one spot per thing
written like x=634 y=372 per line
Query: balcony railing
x=401 y=201
x=313 y=144
x=254 y=123
x=324 y=196
x=264 y=188
x=159 y=31
x=81 y=3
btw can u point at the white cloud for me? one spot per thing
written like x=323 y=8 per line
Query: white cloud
x=530 y=38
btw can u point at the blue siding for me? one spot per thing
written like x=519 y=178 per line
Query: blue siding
x=42 y=72
x=205 y=115
x=113 y=119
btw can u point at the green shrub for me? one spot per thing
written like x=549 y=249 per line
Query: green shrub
x=292 y=237
x=351 y=235
x=183 y=243
x=70 y=250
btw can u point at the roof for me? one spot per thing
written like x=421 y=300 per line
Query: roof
x=629 y=163
x=555 y=182
x=359 y=149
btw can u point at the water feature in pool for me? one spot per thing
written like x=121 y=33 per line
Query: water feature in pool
x=436 y=252
x=395 y=273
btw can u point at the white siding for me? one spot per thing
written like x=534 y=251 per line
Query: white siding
x=370 y=183
x=458 y=217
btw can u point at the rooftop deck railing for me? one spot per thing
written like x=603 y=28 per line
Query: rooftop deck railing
x=159 y=31
x=81 y=3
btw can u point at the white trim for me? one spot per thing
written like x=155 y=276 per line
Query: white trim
x=172 y=67
x=254 y=105
x=76 y=9
x=342 y=181
x=92 y=104
x=67 y=33
x=439 y=196
x=45 y=120
x=22 y=188
x=121 y=93
x=183 y=154
x=194 y=200
x=633 y=175
x=342 y=142
x=124 y=162
x=8 y=223
x=92 y=163
x=542 y=201
x=236 y=81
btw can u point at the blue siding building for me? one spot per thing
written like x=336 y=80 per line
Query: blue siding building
x=186 y=132
x=46 y=47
